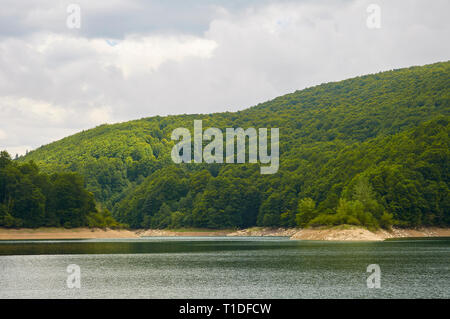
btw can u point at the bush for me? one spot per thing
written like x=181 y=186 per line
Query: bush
x=306 y=211
x=348 y=212
x=103 y=219
x=386 y=220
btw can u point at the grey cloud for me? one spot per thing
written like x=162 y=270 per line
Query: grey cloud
x=114 y=19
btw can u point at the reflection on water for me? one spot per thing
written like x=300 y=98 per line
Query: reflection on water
x=224 y=268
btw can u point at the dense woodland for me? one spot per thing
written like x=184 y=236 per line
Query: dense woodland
x=371 y=151
x=29 y=198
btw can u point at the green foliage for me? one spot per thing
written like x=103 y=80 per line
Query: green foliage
x=306 y=211
x=386 y=220
x=362 y=210
x=29 y=198
x=103 y=219
x=348 y=212
x=372 y=151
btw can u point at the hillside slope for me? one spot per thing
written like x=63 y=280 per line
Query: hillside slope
x=370 y=151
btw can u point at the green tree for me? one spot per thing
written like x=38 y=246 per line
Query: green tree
x=306 y=211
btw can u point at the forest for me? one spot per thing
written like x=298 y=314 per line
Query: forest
x=29 y=198
x=371 y=151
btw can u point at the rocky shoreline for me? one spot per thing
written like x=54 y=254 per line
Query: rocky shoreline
x=344 y=233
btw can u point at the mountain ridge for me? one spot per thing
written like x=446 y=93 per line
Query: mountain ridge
x=316 y=125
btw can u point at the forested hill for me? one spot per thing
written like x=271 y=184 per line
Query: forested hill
x=372 y=150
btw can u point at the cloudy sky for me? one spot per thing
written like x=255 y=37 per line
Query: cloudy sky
x=131 y=59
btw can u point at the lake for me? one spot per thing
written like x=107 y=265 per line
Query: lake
x=224 y=267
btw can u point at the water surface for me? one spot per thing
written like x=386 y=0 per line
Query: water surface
x=224 y=267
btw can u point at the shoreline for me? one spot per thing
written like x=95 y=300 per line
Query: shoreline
x=337 y=233
x=63 y=233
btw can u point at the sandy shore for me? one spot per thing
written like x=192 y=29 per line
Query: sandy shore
x=339 y=233
x=62 y=233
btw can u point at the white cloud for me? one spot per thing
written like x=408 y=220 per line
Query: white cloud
x=29 y=108
x=138 y=54
x=100 y=115
x=134 y=54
